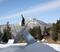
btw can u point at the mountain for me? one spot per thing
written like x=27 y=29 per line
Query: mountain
x=16 y=29
x=32 y=22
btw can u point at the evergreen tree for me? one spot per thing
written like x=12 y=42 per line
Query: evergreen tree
x=58 y=26
x=7 y=33
x=54 y=34
x=36 y=32
x=33 y=31
x=39 y=33
x=45 y=31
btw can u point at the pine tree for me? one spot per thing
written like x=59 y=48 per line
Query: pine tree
x=39 y=33
x=36 y=32
x=58 y=26
x=45 y=31
x=7 y=33
x=54 y=34
x=33 y=31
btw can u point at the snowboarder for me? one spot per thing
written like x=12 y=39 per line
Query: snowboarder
x=23 y=20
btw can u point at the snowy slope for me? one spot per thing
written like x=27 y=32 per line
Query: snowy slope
x=38 y=47
x=55 y=46
x=35 y=47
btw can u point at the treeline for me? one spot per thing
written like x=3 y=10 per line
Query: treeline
x=53 y=31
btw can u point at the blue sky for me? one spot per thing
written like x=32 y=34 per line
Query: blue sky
x=45 y=10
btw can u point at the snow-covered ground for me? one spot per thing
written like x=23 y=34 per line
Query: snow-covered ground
x=55 y=46
x=35 y=47
x=16 y=44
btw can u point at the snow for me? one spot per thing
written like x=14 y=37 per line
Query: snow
x=35 y=47
x=38 y=47
x=16 y=44
x=55 y=46
x=10 y=41
x=58 y=41
x=38 y=41
x=42 y=40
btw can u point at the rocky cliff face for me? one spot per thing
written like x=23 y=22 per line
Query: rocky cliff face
x=30 y=22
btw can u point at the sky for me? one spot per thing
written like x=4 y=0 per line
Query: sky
x=47 y=11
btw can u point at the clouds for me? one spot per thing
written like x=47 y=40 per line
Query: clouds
x=35 y=9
